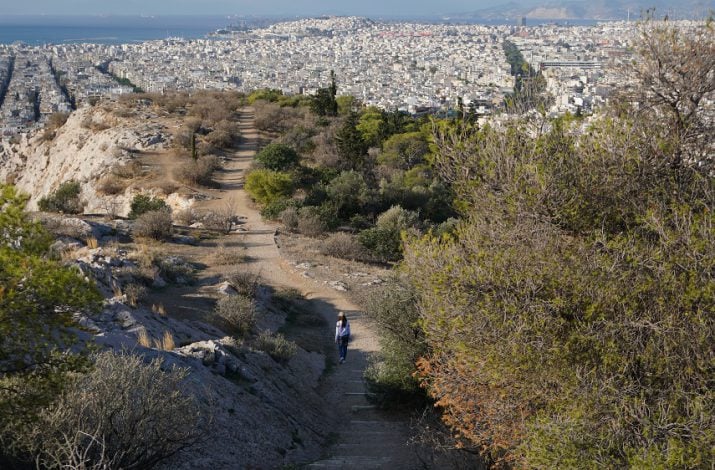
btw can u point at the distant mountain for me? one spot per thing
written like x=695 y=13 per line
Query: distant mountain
x=592 y=9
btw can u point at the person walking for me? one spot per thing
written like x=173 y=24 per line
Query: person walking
x=342 y=335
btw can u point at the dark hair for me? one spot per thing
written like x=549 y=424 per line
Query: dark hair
x=343 y=318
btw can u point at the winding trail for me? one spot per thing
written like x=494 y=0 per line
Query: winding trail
x=364 y=437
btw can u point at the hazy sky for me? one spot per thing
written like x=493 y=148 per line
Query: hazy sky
x=259 y=7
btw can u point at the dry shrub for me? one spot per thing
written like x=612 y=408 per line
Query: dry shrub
x=167 y=187
x=198 y=172
x=277 y=346
x=224 y=256
x=175 y=269
x=154 y=224
x=185 y=216
x=130 y=171
x=245 y=283
x=290 y=218
x=124 y=413
x=135 y=293
x=310 y=224
x=217 y=220
x=238 y=312
x=111 y=185
x=159 y=309
x=345 y=246
x=58 y=226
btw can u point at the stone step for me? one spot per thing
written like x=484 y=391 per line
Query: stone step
x=358 y=408
x=352 y=462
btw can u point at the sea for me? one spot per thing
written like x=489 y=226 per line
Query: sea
x=40 y=30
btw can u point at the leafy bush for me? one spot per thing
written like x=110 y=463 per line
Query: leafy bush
x=273 y=210
x=125 y=413
x=142 y=204
x=65 y=199
x=345 y=246
x=277 y=346
x=348 y=193
x=398 y=219
x=393 y=308
x=277 y=157
x=384 y=244
x=569 y=318
x=154 y=224
x=239 y=313
x=267 y=186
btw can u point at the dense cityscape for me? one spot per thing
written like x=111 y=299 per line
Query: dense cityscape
x=405 y=66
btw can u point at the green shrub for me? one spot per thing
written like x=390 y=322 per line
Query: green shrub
x=277 y=157
x=397 y=218
x=65 y=199
x=267 y=186
x=239 y=313
x=274 y=210
x=142 y=204
x=384 y=244
x=154 y=224
x=393 y=308
x=277 y=346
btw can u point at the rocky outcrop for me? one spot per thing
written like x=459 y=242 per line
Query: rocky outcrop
x=85 y=148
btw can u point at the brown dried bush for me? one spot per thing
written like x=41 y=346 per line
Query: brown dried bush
x=154 y=224
x=345 y=246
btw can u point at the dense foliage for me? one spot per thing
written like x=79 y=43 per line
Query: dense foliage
x=37 y=299
x=569 y=318
x=344 y=168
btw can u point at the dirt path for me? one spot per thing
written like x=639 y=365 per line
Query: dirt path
x=364 y=437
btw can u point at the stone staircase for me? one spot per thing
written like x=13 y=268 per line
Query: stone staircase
x=369 y=438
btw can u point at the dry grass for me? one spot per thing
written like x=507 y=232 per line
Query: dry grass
x=135 y=293
x=143 y=338
x=159 y=309
x=111 y=185
x=167 y=187
x=225 y=256
x=166 y=343
x=92 y=243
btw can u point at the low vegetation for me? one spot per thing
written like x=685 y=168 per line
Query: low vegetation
x=276 y=346
x=238 y=312
x=66 y=199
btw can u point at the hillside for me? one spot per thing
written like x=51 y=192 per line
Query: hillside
x=261 y=407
